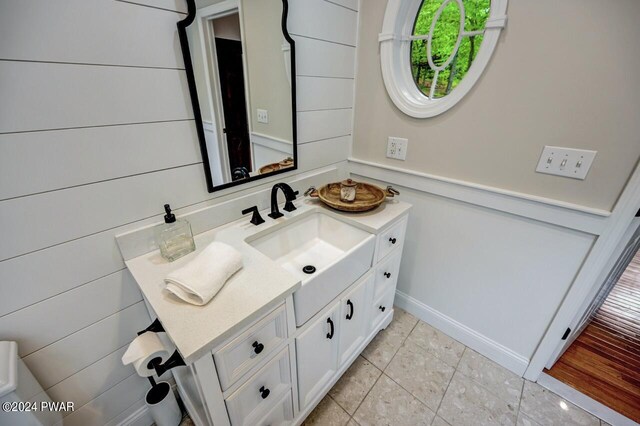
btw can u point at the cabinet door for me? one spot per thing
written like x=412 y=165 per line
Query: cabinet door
x=354 y=310
x=317 y=355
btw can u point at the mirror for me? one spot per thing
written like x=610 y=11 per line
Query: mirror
x=240 y=60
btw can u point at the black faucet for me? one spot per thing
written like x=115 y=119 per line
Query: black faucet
x=289 y=195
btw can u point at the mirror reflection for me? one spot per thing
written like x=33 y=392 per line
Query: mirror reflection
x=242 y=63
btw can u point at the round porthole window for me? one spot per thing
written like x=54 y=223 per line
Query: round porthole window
x=433 y=51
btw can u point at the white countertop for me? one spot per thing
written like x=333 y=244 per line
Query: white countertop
x=253 y=291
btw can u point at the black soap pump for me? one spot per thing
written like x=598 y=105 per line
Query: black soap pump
x=174 y=236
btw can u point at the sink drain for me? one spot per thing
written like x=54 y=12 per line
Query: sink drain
x=309 y=269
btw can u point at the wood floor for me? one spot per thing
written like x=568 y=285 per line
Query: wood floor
x=604 y=361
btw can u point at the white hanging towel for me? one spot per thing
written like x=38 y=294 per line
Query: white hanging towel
x=203 y=277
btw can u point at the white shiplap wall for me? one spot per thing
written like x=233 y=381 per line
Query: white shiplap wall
x=96 y=133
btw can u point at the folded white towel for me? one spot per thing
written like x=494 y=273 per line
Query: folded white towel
x=203 y=277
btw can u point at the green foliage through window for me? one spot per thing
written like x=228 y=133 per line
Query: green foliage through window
x=443 y=43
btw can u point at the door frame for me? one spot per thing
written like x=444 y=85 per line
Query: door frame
x=221 y=44
x=628 y=241
x=204 y=21
x=588 y=280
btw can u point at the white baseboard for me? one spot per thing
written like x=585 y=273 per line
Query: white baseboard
x=140 y=417
x=465 y=335
x=136 y=415
x=583 y=401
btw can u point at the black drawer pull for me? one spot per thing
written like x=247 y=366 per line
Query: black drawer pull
x=330 y=333
x=387 y=274
x=382 y=308
x=392 y=240
x=264 y=392
x=350 y=305
x=257 y=347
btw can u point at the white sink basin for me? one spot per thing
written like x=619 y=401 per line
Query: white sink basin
x=339 y=252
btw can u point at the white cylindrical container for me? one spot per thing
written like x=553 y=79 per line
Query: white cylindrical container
x=163 y=406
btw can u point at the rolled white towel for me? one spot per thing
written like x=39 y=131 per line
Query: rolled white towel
x=203 y=277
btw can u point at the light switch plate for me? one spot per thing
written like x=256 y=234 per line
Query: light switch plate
x=567 y=162
x=397 y=148
x=263 y=116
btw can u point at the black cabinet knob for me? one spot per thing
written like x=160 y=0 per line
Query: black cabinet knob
x=387 y=274
x=382 y=308
x=264 y=392
x=257 y=347
x=392 y=240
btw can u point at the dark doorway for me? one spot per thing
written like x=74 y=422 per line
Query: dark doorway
x=231 y=72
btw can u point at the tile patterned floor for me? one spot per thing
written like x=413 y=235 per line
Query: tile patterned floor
x=412 y=374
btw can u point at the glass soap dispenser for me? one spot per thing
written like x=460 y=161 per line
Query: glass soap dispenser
x=174 y=236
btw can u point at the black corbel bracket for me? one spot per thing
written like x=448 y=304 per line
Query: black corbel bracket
x=155 y=327
x=175 y=360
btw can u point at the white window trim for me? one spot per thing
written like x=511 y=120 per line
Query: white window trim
x=395 y=60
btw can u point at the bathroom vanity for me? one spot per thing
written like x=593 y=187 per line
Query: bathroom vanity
x=316 y=287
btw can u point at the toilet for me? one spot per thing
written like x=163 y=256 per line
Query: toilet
x=19 y=389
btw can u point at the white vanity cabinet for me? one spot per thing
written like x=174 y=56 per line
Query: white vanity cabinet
x=249 y=379
x=332 y=338
x=363 y=309
x=264 y=365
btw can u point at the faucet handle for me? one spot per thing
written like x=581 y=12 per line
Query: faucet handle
x=256 y=219
x=311 y=192
x=391 y=191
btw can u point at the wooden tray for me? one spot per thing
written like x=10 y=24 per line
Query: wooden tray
x=368 y=196
x=273 y=167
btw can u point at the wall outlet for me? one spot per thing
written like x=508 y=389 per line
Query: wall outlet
x=397 y=148
x=567 y=162
x=263 y=116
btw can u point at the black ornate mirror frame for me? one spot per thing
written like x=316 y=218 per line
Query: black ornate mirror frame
x=188 y=66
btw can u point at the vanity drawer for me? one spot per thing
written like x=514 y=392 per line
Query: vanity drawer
x=262 y=391
x=390 y=239
x=280 y=414
x=381 y=308
x=387 y=274
x=251 y=347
